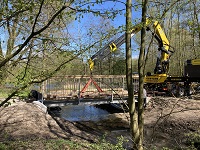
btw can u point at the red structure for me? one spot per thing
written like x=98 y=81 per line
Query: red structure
x=87 y=85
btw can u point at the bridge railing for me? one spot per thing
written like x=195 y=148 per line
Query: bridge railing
x=78 y=86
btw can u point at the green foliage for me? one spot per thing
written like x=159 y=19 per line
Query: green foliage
x=119 y=67
x=102 y=144
x=3 y=146
x=3 y=93
x=61 y=144
x=39 y=144
x=24 y=94
x=193 y=139
x=57 y=144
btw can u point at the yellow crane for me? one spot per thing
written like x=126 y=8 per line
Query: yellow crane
x=162 y=65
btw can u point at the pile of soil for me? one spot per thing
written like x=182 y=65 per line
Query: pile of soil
x=167 y=121
x=24 y=120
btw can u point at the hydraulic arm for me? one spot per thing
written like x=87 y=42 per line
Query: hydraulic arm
x=162 y=64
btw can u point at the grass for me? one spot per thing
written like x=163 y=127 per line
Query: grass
x=3 y=94
x=193 y=139
x=101 y=144
x=55 y=144
x=58 y=144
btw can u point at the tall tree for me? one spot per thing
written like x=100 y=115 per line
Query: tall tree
x=141 y=69
x=131 y=100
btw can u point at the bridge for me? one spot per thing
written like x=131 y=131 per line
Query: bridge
x=82 y=89
x=82 y=101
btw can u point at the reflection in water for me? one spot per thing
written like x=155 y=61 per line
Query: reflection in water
x=83 y=113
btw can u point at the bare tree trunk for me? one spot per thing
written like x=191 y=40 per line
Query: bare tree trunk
x=131 y=101
x=141 y=68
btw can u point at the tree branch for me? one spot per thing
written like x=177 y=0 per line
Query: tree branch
x=38 y=14
x=14 y=14
x=2 y=63
x=170 y=7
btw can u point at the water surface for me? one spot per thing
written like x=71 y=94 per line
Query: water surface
x=83 y=113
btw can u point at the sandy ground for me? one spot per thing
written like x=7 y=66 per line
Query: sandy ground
x=167 y=121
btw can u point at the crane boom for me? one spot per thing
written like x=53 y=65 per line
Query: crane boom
x=113 y=45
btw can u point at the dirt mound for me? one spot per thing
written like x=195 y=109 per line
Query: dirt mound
x=26 y=121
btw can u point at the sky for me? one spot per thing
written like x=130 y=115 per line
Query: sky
x=119 y=20
x=78 y=26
